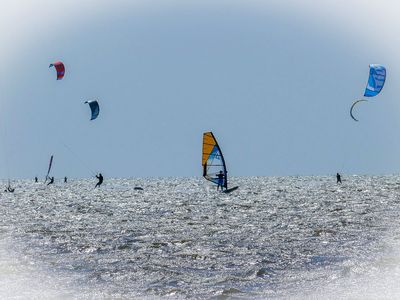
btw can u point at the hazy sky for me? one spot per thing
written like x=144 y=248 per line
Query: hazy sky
x=274 y=81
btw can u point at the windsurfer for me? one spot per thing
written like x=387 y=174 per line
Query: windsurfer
x=338 y=178
x=51 y=180
x=220 y=178
x=100 y=178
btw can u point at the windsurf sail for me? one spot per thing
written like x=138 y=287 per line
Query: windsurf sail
x=95 y=108
x=59 y=66
x=351 y=109
x=213 y=161
x=49 y=169
x=376 y=80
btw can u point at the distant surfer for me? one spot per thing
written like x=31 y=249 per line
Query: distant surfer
x=338 y=178
x=65 y=179
x=100 y=178
x=51 y=180
x=36 y=179
x=220 y=182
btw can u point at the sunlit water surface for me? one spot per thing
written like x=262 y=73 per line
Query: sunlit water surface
x=274 y=237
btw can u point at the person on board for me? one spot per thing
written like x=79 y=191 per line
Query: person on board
x=51 y=180
x=65 y=179
x=220 y=182
x=36 y=179
x=338 y=178
x=100 y=178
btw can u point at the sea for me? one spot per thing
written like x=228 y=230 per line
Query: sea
x=295 y=237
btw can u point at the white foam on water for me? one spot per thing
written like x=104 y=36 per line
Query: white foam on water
x=370 y=280
x=22 y=278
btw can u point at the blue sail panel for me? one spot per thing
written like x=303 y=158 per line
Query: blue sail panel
x=376 y=80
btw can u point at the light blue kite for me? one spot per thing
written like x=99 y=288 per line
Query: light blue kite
x=376 y=80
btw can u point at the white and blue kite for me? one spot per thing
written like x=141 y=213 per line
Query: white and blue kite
x=376 y=80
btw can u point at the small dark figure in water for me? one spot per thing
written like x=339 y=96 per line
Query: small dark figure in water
x=9 y=188
x=65 y=179
x=36 y=179
x=51 y=180
x=100 y=178
x=338 y=178
x=220 y=183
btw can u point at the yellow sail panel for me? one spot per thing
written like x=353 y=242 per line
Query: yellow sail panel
x=209 y=143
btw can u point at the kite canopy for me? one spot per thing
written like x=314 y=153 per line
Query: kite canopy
x=213 y=161
x=95 y=108
x=351 y=109
x=376 y=80
x=59 y=66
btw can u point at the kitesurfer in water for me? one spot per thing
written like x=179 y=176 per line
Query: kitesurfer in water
x=65 y=179
x=100 y=178
x=36 y=179
x=220 y=178
x=338 y=178
x=51 y=180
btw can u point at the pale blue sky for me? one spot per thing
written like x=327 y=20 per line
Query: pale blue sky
x=274 y=81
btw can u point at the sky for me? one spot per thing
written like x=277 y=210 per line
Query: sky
x=273 y=80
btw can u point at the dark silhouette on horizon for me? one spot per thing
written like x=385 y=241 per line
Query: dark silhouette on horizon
x=338 y=178
x=100 y=178
x=9 y=188
x=51 y=180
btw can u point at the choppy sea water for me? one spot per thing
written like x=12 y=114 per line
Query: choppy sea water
x=273 y=238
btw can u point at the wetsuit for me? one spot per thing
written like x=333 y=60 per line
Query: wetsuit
x=338 y=178
x=100 y=178
x=220 y=177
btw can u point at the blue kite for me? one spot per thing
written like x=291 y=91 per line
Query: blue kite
x=376 y=80
x=95 y=108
